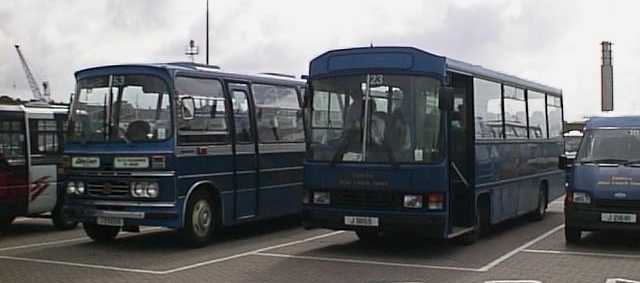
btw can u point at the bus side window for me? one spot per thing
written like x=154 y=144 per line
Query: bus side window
x=241 y=117
x=44 y=137
x=278 y=114
x=209 y=124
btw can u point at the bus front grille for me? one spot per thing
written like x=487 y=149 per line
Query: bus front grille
x=363 y=199
x=115 y=189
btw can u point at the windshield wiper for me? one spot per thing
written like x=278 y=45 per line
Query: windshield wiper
x=616 y=161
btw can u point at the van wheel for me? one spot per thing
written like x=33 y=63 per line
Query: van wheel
x=5 y=222
x=572 y=235
x=541 y=210
x=101 y=233
x=61 y=220
x=199 y=220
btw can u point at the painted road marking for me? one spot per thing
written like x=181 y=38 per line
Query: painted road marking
x=513 y=281
x=371 y=262
x=595 y=254
x=79 y=239
x=521 y=248
x=169 y=271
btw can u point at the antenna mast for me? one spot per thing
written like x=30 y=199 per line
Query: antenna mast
x=192 y=50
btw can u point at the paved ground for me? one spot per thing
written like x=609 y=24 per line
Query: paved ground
x=281 y=251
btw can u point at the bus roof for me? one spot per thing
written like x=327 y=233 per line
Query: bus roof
x=191 y=67
x=613 y=122
x=409 y=60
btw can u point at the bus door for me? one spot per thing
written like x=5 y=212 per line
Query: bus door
x=245 y=154
x=461 y=154
x=44 y=154
x=14 y=172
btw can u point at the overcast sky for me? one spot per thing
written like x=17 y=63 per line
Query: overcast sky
x=553 y=42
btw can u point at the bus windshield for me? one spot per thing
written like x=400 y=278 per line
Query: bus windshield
x=400 y=121
x=120 y=108
x=610 y=146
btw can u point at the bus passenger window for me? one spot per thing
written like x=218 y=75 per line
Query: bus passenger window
x=537 y=116
x=487 y=109
x=241 y=117
x=278 y=114
x=209 y=124
x=554 y=110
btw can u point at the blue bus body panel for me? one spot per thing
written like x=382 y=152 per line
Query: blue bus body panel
x=389 y=59
x=498 y=165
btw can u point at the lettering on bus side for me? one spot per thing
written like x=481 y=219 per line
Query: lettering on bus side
x=362 y=180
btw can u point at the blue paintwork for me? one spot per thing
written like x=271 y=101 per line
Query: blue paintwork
x=613 y=122
x=270 y=192
x=510 y=172
x=406 y=60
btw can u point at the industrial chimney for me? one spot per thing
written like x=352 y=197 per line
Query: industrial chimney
x=606 y=70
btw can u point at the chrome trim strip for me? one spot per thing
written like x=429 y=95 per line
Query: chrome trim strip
x=127 y=203
x=277 y=148
x=206 y=175
x=118 y=214
x=246 y=172
x=122 y=174
x=282 y=169
x=281 y=186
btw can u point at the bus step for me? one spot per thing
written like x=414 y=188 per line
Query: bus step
x=457 y=231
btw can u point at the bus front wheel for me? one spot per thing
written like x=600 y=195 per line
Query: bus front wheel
x=61 y=219
x=199 y=220
x=101 y=233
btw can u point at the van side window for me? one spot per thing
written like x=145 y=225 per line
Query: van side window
x=278 y=114
x=209 y=125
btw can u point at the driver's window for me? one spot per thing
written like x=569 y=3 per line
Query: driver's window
x=209 y=123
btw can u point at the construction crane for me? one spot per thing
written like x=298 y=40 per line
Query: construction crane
x=45 y=94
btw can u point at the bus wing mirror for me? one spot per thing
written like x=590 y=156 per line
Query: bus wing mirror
x=188 y=108
x=564 y=162
x=445 y=99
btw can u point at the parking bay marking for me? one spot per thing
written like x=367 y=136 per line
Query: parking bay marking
x=165 y=272
x=263 y=252
x=595 y=254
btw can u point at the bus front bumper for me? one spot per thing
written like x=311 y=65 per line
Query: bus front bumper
x=590 y=219
x=429 y=224
x=130 y=212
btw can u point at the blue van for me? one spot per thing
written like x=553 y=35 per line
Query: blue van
x=604 y=189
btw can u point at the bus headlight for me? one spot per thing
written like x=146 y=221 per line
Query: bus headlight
x=145 y=189
x=321 y=198
x=80 y=189
x=413 y=201
x=71 y=188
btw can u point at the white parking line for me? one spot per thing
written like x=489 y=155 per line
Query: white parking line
x=371 y=262
x=79 y=239
x=520 y=248
x=164 y=272
x=554 y=252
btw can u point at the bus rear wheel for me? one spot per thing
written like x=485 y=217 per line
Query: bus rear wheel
x=199 y=220
x=541 y=209
x=101 y=233
x=61 y=220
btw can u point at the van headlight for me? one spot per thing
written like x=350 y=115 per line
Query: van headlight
x=144 y=189
x=321 y=198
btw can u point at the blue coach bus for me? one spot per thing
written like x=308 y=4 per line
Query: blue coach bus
x=183 y=146
x=404 y=140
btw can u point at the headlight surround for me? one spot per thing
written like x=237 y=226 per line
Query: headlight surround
x=581 y=197
x=80 y=188
x=413 y=201
x=144 y=189
x=321 y=198
x=71 y=188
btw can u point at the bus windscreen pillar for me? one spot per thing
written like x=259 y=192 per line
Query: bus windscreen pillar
x=606 y=77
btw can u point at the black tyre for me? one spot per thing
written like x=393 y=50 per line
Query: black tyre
x=61 y=220
x=5 y=222
x=101 y=233
x=541 y=210
x=572 y=235
x=200 y=220
x=368 y=236
x=482 y=226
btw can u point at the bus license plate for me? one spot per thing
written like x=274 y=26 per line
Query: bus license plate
x=361 y=221
x=618 y=217
x=110 y=221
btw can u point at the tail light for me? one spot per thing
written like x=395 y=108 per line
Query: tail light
x=435 y=201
